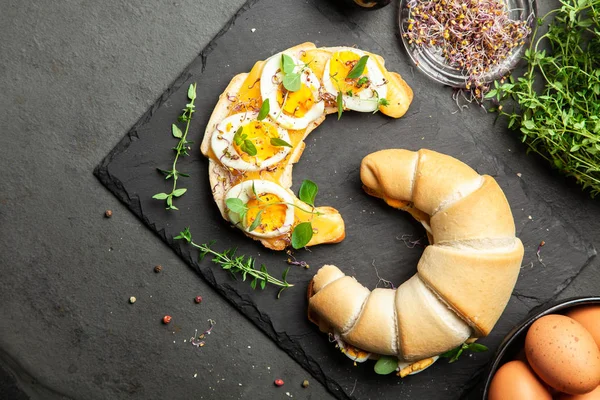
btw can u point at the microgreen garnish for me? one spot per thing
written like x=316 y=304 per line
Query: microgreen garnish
x=340 y=104
x=256 y=222
x=454 y=354
x=180 y=150
x=362 y=81
x=386 y=365
x=301 y=235
x=383 y=102
x=264 y=110
x=556 y=102
x=235 y=264
x=349 y=93
x=246 y=145
x=279 y=142
x=287 y=64
x=291 y=79
x=308 y=191
x=358 y=69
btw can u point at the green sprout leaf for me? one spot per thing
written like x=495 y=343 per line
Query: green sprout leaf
x=292 y=82
x=287 y=64
x=248 y=148
x=192 y=91
x=279 y=142
x=308 y=192
x=340 y=105
x=256 y=222
x=362 y=81
x=179 y=192
x=384 y=102
x=236 y=205
x=358 y=69
x=264 y=110
x=386 y=365
x=477 y=348
x=238 y=138
x=176 y=131
x=301 y=235
x=160 y=196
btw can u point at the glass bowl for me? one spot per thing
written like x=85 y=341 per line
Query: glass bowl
x=430 y=61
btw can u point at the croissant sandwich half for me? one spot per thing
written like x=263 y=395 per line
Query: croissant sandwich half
x=464 y=278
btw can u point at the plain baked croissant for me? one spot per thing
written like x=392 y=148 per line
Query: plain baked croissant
x=465 y=276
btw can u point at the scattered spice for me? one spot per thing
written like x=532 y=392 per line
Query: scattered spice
x=198 y=299
x=166 y=319
x=196 y=340
x=305 y=383
x=108 y=213
x=158 y=268
x=132 y=299
x=473 y=35
x=278 y=382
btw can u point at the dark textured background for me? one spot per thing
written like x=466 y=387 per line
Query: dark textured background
x=74 y=77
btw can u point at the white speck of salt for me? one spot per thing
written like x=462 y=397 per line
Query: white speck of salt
x=195 y=375
x=249 y=347
x=253 y=30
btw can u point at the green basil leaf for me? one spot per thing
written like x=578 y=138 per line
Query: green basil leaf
x=176 y=131
x=308 y=191
x=292 y=82
x=279 y=142
x=264 y=110
x=358 y=69
x=256 y=222
x=386 y=365
x=301 y=235
x=340 y=105
x=236 y=205
x=179 y=192
x=160 y=196
x=287 y=64
x=248 y=148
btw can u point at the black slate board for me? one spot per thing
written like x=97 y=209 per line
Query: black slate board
x=332 y=157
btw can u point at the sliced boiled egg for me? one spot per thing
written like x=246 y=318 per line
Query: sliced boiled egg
x=266 y=201
x=415 y=367
x=291 y=109
x=243 y=143
x=364 y=92
x=354 y=353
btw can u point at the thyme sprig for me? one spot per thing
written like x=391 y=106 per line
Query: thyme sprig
x=556 y=103
x=244 y=265
x=454 y=354
x=180 y=150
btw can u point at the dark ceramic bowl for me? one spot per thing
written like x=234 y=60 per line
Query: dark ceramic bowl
x=514 y=341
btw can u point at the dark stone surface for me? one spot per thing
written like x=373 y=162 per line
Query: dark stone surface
x=75 y=76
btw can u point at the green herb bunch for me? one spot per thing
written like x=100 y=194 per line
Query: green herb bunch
x=556 y=103
x=180 y=150
x=302 y=233
x=235 y=264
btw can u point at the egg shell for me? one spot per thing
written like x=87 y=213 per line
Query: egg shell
x=563 y=354
x=593 y=395
x=589 y=317
x=516 y=381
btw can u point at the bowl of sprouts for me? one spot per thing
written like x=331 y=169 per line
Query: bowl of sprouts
x=466 y=44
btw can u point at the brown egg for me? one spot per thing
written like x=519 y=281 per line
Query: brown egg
x=589 y=317
x=563 y=354
x=593 y=395
x=516 y=381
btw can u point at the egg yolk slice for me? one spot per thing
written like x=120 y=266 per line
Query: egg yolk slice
x=296 y=104
x=340 y=66
x=272 y=213
x=259 y=133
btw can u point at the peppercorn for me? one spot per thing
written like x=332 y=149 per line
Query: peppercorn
x=278 y=382
x=108 y=213
x=166 y=319
x=305 y=383
x=132 y=299
x=198 y=299
x=158 y=268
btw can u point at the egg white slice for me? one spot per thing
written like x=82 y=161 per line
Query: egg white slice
x=367 y=100
x=271 y=83
x=249 y=190
x=402 y=365
x=222 y=144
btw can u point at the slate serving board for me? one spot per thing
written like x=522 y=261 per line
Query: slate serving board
x=332 y=158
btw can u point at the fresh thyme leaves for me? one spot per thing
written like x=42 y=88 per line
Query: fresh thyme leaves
x=386 y=365
x=340 y=104
x=235 y=264
x=308 y=191
x=279 y=142
x=264 y=110
x=454 y=354
x=301 y=235
x=556 y=102
x=358 y=69
x=180 y=150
